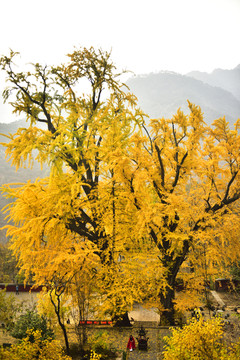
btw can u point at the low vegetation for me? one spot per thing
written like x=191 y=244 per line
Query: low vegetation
x=33 y=346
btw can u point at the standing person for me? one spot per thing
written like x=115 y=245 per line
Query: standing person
x=17 y=291
x=131 y=343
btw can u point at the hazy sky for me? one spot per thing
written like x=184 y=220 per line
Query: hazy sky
x=145 y=36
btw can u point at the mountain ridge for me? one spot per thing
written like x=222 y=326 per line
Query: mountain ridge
x=226 y=79
x=161 y=94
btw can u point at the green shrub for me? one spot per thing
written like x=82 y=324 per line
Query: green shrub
x=31 y=320
x=100 y=345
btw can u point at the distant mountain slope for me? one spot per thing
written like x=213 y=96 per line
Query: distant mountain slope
x=226 y=79
x=163 y=93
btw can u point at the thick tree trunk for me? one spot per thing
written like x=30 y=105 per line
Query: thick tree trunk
x=167 y=302
x=172 y=267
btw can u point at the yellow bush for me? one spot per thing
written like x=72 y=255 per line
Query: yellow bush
x=200 y=340
x=39 y=349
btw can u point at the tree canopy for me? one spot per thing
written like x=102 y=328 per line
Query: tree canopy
x=161 y=196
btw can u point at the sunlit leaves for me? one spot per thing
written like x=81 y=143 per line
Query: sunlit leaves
x=41 y=349
x=197 y=340
x=182 y=180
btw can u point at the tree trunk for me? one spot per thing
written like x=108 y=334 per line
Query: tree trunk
x=122 y=320
x=167 y=296
x=63 y=327
x=167 y=302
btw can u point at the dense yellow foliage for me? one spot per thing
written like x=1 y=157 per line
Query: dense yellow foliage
x=39 y=349
x=184 y=188
x=200 y=340
x=162 y=198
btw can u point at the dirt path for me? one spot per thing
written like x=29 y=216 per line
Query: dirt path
x=218 y=298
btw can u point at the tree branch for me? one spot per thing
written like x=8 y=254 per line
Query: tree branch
x=179 y=166
x=162 y=172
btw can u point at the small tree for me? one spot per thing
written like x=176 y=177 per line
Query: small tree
x=9 y=309
x=83 y=300
x=8 y=265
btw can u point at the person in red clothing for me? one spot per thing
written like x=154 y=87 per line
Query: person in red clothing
x=131 y=343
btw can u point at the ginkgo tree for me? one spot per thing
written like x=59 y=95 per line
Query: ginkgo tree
x=167 y=200
x=183 y=181
x=78 y=116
